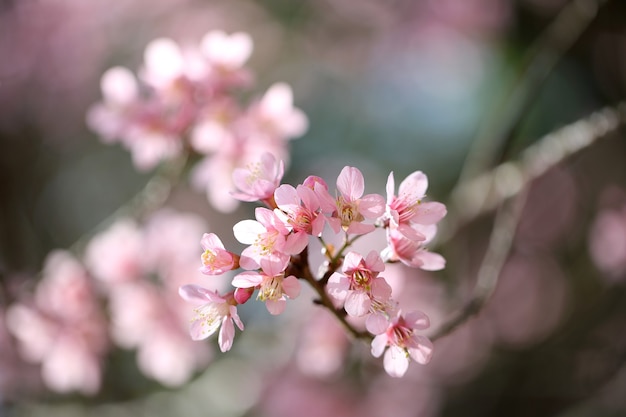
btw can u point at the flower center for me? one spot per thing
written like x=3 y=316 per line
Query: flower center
x=209 y=257
x=348 y=212
x=271 y=289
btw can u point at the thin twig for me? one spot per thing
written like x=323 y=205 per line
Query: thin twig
x=513 y=179
x=152 y=196
x=500 y=244
x=542 y=58
x=475 y=197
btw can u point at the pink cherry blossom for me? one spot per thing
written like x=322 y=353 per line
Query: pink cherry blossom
x=352 y=208
x=407 y=207
x=258 y=181
x=299 y=209
x=274 y=287
x=226 y=52
x=116 y=254
x=212 y=312
x=411 y=252
x=216 y=259
x=275 y=116
x=358 y=285
x=403 y=343
x=62 y=328
x=270 y=247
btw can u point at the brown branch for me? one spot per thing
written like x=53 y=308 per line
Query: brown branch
x=549 y=48
x=512 y=180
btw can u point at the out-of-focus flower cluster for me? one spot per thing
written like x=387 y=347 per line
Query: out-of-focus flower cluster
x=349 y=283
x=184 y=100
x=122 y=293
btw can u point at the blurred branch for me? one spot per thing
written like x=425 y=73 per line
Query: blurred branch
x=152 y=196
x=496 y=134
x=488 y=191
x=511 y=179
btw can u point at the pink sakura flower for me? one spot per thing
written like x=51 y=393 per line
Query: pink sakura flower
x=216 y=259
x=272 y=285
x=352 y=208
x=412 y=253
x=63 y=328
x=214 y=130
x=299 y=209
x=212 y=312
x=270 y=246
x=120 y=94
x=403 y=343
x=116 y=254
x=258 y=181
x=275 y=116
x=226 y=53
x=164 y=64
x=358 y=285
x=407 y=207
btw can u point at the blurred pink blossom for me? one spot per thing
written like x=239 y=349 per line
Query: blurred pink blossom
x=63 y=328
x=117 y=254
x=186 y=102
x=607 y=243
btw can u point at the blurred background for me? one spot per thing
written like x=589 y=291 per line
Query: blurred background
x=387 y=85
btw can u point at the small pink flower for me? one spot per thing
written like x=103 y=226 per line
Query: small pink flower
x=358 y=285
x=411 y=252
x=115 y=255
x=275 y=116
x=212 y=312
x=63 y=327
x=216 y=259
x=226 y=52
x=273 y=288
x=258 y=181
x=403 y=343
x=352 y=207
x=270 y=247
x=407 y=207
x=299 y=210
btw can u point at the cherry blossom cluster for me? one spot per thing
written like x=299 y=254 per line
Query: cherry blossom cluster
x=350 y=284
x=183 y=101
x=122 y=292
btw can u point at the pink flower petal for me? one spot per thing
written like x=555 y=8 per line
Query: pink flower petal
x=210 y=241
x=414 y=186
x=226 y=335
x=378 y=345
x=235 y=317
x=247 y=231
x=357 y=303
x=247 y=279
x=372 y=206
x=417 y=320
x=390 y=188
x=276 y=307
x=376 y=324
x=291 y=287
x=431 y=261
x=395 y=362
x=350 y=183
x=429 y=212
x=198 y=295
x=338 y=285
x=423 y=351
x=286 y=197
